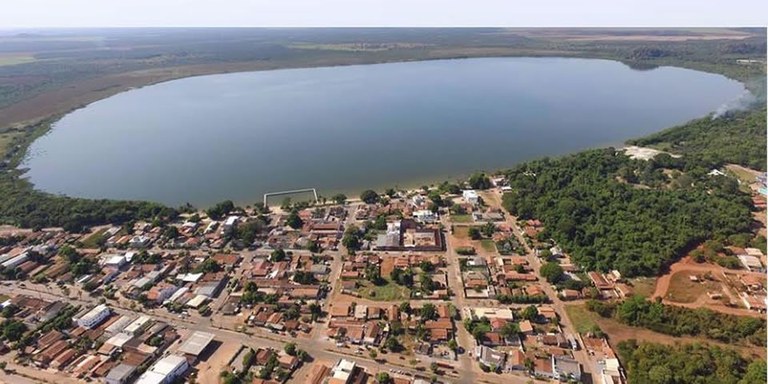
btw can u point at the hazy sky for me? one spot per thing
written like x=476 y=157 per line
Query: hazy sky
x=305 y=13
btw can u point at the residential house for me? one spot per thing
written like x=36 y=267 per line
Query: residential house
x=490 y=357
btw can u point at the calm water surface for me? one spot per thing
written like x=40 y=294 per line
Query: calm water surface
x=237 y=136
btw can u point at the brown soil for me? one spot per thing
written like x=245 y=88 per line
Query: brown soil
x=618 y=332
x=688 y=266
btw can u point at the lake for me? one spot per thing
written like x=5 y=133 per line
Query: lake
x=344 y=129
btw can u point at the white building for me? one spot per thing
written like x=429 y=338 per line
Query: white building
x=114 y=261
x=470 y=196
x=94 y=317
x=425 y=216
x=342 y=371
x=610 y=372
x=751 y=263
x=16 y=261
x=165 y=370
x=138 y=325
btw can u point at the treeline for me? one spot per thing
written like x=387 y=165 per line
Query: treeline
x=680 y=321
x=736 y=137
x=608 y=222
x=23 y=206
x=650 y=363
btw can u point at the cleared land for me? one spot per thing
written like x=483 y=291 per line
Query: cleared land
x=461 y=218
x=682 y=289
x=386 y=292
x=583 y=320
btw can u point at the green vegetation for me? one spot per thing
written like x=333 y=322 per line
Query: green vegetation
x=461 y=218
x=689 y=363
x=522 y=299
x=385 y=292
x=220 y=210
x=12 y=330
x=736 y=137
x=608 y=224
x=552 y=271
x=369 y=196
x=480 y=181
x=582 y=319
x=679 y=321
x=466 y=251
x=293 y=220
x=339 y=198
x=488 y=245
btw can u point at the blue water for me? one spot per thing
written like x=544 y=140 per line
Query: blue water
x=237 y=136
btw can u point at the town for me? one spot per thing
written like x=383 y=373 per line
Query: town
x=439 y=284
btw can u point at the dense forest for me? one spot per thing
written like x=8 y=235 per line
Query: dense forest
x=736 y=137
x=612 y=212
x=649 y=363
x=679 y=321
x=23 y=206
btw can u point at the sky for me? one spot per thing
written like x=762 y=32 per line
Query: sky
x=392 y=13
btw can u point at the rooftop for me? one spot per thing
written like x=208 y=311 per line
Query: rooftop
x=196 y=343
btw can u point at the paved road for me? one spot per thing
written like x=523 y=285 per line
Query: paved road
x=257 y=337
x=580 y=355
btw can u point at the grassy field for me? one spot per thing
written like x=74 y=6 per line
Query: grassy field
x=488 y=245
x=386 y=292
x=5 y=139
x=644 y=286
x=461 y=218
x=583 y=320
x=461 y=232
x=93 y=240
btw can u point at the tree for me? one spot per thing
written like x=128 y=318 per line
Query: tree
x=369 y=196
x=13 y=330
x=170 y=232
x=509 y=329
x=480 y=181
x=474 y=233
x=293 y=220
x=372 y=353
x=277 y=255
x=530 y=313
x=552 y=271
x=10 y=310
x=393 y=344
x=428 y=312
x=427 y=285
x=488 y=229
x=351 y=239
x=453 y=345
x=383 y=378
x=391 y=192
x=220 y=210
x=433 y=367
x=290 y=348
x=207 y=266
x=405 y=307
x=339 y=198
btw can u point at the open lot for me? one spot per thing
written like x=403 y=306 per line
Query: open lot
x=684 y=290
x=461 y=218
x=386 y=292
x=582 y=319
x=644 y=286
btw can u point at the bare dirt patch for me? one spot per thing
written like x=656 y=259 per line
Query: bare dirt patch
x=689 y=287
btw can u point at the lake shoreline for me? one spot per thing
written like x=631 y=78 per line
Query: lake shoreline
x=51 y=120
x=422 y=117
